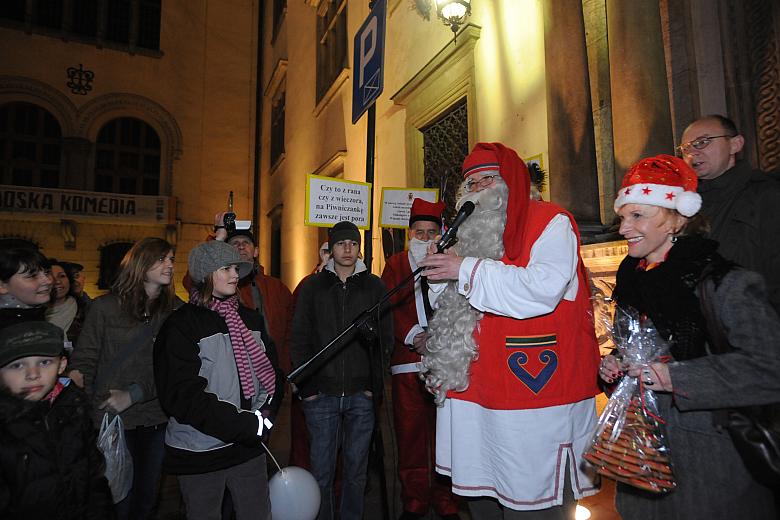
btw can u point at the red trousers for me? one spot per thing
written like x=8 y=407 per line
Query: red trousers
x=414 y=417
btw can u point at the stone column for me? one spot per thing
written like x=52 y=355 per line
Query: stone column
x=595 y=17
x=641 y=119
x=571 y=150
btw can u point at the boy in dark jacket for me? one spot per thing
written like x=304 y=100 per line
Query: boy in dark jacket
x=337 y=395
x=50 y=466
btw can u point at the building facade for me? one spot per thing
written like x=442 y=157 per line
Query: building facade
x=585 y=87
x=137 y=117
x=122 y=120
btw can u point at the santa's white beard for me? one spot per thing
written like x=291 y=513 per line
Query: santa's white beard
x=451 y=346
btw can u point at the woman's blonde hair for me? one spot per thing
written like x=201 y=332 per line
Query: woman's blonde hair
x=129 y=283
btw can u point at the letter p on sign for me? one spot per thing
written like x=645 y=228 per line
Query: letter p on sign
x=366 y=52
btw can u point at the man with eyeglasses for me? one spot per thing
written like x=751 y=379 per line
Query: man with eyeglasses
x=511 y=349
x=741 y=204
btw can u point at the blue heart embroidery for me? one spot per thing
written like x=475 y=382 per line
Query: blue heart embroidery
x=516 y=361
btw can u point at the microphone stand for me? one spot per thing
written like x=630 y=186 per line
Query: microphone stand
x=363 y=319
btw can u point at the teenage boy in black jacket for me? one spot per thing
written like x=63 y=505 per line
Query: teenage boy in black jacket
x=337 y=397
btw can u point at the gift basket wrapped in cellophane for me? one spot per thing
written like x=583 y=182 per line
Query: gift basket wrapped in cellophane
x=629 y=444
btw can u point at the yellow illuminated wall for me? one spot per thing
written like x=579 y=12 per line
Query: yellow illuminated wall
x=204 y=82
x=508 y=105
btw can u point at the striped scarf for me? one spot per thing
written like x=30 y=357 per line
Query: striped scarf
x=245 y=348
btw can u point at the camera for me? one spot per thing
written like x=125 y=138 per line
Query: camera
x=229 y=220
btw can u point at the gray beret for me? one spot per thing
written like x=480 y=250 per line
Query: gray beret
x=210 y=256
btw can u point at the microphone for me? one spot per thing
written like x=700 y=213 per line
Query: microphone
x=449 y=239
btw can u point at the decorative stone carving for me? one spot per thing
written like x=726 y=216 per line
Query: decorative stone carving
x=80 y=80
x=763 y=49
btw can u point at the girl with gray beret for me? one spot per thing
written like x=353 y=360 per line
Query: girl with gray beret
x=217 y=378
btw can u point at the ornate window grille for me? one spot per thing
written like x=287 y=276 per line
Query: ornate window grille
x=30 y=146
x=127 y=158
x=445 y=145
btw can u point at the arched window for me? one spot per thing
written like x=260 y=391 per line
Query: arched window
x=128 y=158
x=30 y=146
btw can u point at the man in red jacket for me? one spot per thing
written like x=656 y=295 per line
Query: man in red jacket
x=413 y=408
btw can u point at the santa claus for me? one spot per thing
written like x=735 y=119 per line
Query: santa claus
x=511 y=354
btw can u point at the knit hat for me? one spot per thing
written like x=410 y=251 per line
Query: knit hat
x=513 y=170
x=424 y=210
x=30 y=338
x=344 y=230
x=210 y=256
x=664 y=181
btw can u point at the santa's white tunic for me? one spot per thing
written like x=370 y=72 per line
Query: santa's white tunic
x=519 y=456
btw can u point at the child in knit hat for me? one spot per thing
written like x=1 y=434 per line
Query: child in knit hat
x=50 y=466
x=217 y=377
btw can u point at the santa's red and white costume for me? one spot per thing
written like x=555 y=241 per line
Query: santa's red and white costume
x=414 y=412
x=529 y=407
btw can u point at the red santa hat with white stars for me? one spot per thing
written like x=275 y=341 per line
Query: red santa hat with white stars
x=663 y=180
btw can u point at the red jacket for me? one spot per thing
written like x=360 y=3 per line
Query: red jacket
x=404 y=307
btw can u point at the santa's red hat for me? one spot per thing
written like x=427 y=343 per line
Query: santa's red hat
x=663 y=180
x=424 y=210
x=480 y=160
x=497 y=157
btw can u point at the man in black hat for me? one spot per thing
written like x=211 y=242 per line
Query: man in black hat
x=337 y=395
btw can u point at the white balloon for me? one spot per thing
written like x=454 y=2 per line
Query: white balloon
x=295 y=495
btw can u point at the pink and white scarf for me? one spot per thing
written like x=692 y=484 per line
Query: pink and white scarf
x=245 y=348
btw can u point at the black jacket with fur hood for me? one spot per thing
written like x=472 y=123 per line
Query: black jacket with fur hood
x=50 y=466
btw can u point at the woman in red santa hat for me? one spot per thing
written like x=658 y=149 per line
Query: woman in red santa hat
x=668 y=255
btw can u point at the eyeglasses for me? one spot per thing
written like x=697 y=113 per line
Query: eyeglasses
x=483 y=182
x=699 y=144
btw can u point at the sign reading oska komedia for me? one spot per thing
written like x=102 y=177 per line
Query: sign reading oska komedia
x=329 y=201
x=88 y=205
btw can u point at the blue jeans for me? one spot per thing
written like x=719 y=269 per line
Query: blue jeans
x=347 y=421
x=147 y=447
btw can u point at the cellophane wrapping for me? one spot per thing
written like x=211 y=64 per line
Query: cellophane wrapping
x=629 y=444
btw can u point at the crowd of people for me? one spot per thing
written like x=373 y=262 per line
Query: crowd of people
x=489 y=344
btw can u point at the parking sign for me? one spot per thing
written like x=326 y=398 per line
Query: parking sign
x=369 y=60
